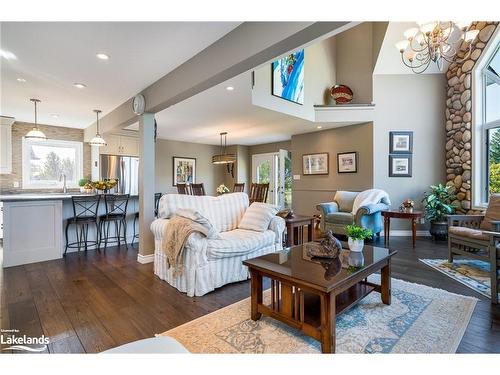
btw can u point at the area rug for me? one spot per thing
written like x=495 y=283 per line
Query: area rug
x=420 y=319
x=473 y=273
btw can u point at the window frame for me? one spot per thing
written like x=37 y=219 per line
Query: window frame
x=25 y=161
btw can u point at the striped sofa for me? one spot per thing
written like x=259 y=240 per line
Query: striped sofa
x=212 y=263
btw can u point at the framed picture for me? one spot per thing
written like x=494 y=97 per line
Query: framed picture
x=287 y=77
x=183 y=170
x=347 y=162
x=314 y=164
x=400 y=165
x=400 y=142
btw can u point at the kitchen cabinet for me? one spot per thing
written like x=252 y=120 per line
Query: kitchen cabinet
x=6 y=144
x=120 y=145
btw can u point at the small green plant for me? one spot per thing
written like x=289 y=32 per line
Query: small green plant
x=358 y=233
x=83 y=181
x=437 y=203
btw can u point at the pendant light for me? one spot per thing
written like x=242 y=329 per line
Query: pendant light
x=97 y=140
x=35 y=133
x=223 y=157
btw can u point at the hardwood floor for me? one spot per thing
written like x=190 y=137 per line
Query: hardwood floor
x=93 y=301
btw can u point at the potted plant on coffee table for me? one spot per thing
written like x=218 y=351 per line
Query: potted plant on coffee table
x=356 y=237
x=437 y=206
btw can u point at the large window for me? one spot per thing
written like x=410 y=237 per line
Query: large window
x=44 y=162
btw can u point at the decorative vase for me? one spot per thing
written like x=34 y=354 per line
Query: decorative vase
x=356 y=259
x=355 y=245
x=408 y=209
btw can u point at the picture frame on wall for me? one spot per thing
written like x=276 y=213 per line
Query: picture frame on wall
x=347 y=162
x=401 y=142
x=287 y=77
x=183 y=170
x=400 y=165
x=315 y=164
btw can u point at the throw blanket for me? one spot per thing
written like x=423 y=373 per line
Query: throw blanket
x=371 y=196
x=176 y=234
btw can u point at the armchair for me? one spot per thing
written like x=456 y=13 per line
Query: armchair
x=478 y=237
x=338 y=214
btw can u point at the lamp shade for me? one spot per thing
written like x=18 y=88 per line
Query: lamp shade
x=35 y=133
x=97 y=141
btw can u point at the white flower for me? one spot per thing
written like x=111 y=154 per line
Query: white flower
x=222 y=189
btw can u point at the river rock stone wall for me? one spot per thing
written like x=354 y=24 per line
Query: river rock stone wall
x=459 y=117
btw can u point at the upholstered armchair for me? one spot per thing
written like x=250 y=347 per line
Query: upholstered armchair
x=338 y=214
x=478 y=237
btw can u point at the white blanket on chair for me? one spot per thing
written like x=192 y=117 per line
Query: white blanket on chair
x=371 y=196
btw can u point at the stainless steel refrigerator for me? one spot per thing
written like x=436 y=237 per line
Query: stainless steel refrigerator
x=123 y=168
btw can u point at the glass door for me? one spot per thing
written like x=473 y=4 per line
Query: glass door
x=264 y=171
x=285 y=179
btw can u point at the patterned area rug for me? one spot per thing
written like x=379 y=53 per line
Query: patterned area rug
x=419 y=320
x=470 y=272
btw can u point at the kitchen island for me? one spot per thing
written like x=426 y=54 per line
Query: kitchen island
x=34 y=223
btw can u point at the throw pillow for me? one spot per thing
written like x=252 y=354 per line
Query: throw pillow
x=194 y=215
x=258 y=216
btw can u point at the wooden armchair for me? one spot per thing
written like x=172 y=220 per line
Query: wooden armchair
x=478 y=237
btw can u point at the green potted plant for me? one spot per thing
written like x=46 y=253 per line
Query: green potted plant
x=82 y=183
x=356 y=236
x=437 y=205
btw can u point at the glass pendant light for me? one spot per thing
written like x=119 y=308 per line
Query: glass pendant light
x=97 y=140
x=35 y=133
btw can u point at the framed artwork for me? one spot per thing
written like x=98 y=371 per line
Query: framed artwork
x=347 y=162
x=287 y=77
x=315 y=164
x=401 y=142
x=400 y=165
x=183 y=170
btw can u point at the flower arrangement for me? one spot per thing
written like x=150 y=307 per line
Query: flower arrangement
x=407 y=205
x=104 y=185
x=222 y=189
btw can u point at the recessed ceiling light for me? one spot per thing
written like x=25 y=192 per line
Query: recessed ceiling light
x=102 y=56
x=54 y=115
x=79 y=85
x=7 y=55
x=229 y=88
x=21 y=80
x=318 y=127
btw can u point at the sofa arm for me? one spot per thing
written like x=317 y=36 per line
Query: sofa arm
x=371 y=209
x=327 y=208
x=158 y=227
x=277 y=225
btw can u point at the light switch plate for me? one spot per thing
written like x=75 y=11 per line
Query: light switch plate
x=296 y=176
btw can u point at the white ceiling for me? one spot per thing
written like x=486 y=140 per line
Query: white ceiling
x=52 y=56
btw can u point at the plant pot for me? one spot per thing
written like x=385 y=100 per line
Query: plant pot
x=355 y=245
x=439 y=230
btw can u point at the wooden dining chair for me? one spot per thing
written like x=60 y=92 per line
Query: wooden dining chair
x=197 y=189
x=258 y=192
x=183 y=189
x=239 y=187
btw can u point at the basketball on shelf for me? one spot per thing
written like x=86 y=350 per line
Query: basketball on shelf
x=341 y=94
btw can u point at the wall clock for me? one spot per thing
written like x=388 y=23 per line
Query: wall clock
x=139 y=104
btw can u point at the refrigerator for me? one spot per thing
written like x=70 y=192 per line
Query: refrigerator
x=123 y=168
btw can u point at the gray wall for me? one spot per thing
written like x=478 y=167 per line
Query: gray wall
x=416 y=103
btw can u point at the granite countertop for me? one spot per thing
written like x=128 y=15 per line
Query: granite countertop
x=18 y=197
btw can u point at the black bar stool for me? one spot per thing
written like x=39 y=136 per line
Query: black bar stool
x=136 y=215
x=84 y=214
x=116 y=212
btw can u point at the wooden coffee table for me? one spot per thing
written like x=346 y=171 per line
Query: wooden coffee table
x=309 y=293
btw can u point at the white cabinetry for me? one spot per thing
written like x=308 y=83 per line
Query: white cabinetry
x=120 y=145
x=6 y=144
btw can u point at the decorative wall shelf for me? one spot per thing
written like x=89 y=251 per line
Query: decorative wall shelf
x=344 y=113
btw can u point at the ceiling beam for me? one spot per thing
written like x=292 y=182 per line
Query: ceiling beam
x=249 y=45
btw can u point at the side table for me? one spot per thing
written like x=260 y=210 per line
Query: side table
x=295 y=229
x=413 y=216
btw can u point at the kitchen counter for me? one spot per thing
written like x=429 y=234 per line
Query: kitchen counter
x=19 y=197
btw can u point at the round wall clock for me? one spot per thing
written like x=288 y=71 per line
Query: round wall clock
x=139 y=104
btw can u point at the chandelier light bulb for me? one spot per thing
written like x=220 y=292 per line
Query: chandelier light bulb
x=470 y=35
x=410 y=33
x=428 y=27
x=402 y=45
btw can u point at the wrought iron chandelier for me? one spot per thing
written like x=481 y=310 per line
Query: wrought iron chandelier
x=435 y=41
x=223 y=157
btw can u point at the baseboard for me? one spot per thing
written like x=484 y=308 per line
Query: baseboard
x=408 y=233
x=143 y=259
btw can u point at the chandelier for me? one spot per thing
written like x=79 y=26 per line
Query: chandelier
x=223 y=157
x=435 y=41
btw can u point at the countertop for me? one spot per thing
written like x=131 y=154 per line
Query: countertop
x=18 y=197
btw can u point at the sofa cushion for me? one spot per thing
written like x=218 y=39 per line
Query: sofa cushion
x=492 y=212
x=340 y=218
x=345 y=200
x=473 y=234
x=258 y=216
x=238 y=242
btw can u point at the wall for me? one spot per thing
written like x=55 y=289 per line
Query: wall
x=415 y=103
x=311 y=190
x=211 y=175
x=19 y=130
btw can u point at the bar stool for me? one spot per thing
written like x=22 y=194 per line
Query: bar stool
x=85 y=210
x=136 y=215
x=116 y=212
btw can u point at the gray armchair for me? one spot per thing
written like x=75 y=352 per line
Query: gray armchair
x=337 y=215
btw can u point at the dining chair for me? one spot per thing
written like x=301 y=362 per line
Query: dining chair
x=258 y=192
x=197 y=189
x=239 y=187
x=183 y=189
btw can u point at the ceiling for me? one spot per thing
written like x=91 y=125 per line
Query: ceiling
x=52 y=56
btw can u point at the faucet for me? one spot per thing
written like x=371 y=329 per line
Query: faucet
x=63 y=178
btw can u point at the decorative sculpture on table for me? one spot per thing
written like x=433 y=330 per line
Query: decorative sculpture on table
x=329 y=247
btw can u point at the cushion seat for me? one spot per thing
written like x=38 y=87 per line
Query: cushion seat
x=474 y=234
x=340 y=217
x=238 y=242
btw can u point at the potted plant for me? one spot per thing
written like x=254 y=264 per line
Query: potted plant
x=222 y=189
x=82 y=183
x=437 y=205
x=356 y=237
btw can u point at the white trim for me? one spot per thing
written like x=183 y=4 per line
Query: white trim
x=144 y=259
x=408 y=233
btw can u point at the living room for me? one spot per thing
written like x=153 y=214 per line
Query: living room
x=319 y=187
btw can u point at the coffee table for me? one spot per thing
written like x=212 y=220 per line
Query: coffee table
x=309 y=293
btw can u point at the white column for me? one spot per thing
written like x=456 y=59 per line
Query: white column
x=146 y=187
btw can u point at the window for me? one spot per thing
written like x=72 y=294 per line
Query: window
x=44 y=162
